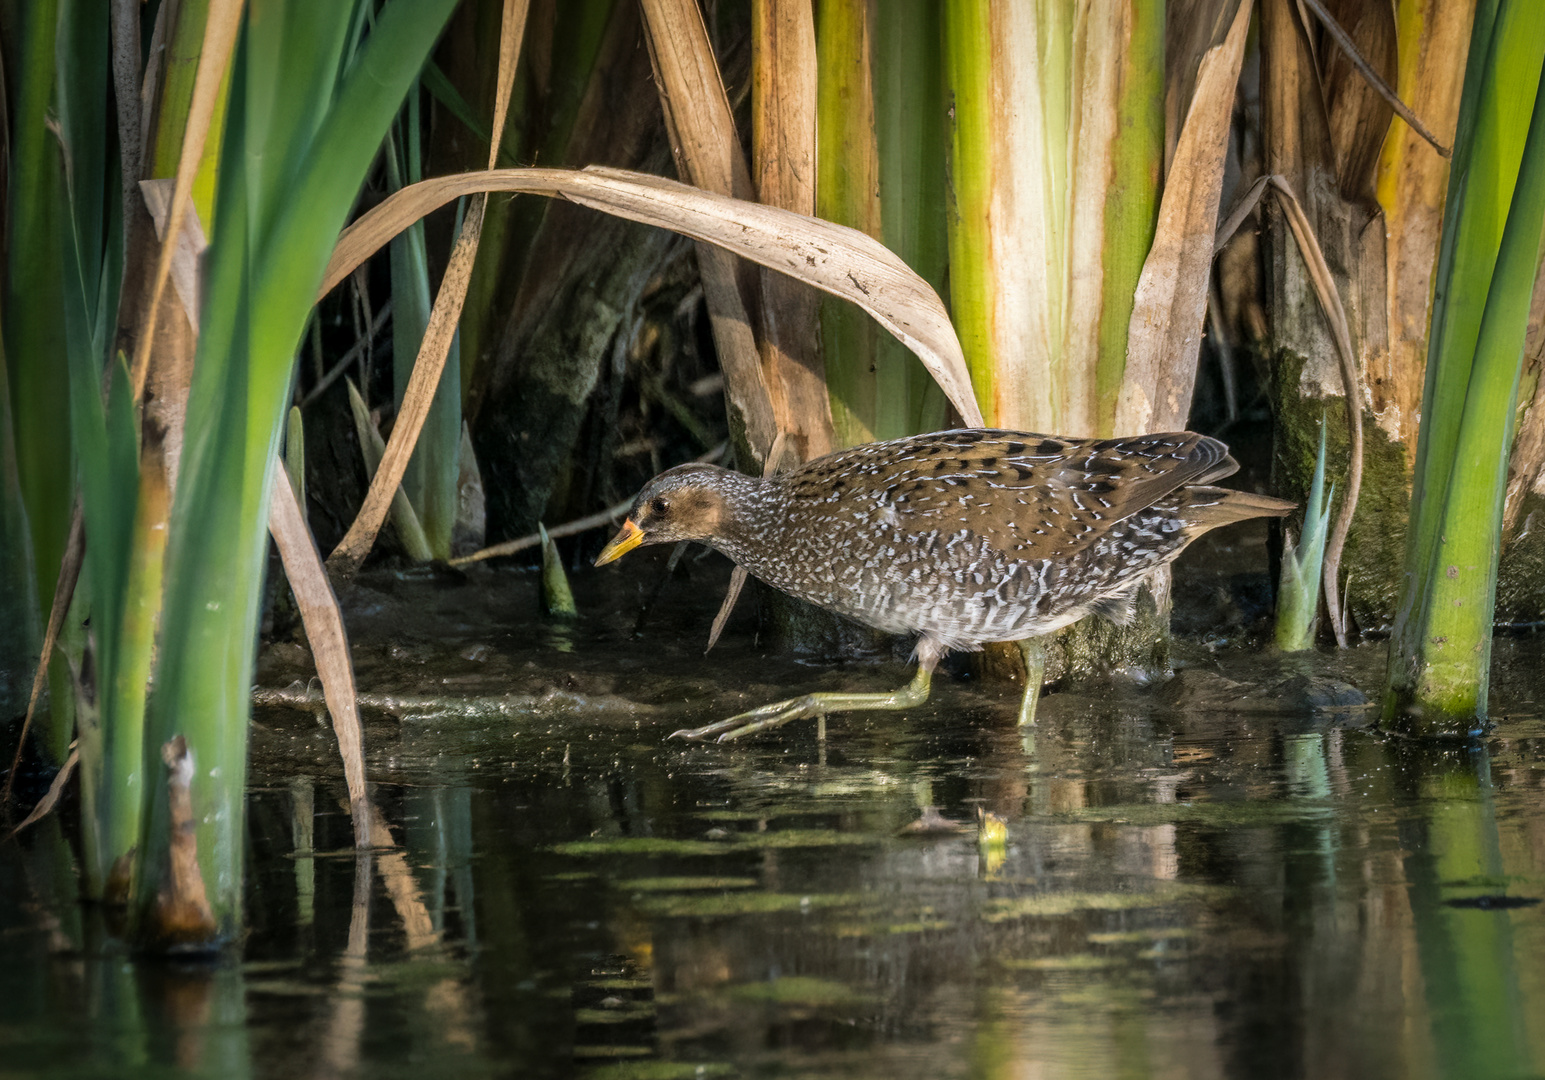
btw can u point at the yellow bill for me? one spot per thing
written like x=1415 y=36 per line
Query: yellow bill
x=625 y=541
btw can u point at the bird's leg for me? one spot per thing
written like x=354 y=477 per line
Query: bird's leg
x=781 y=712
x=1035 y=674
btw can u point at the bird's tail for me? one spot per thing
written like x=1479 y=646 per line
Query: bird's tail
x=1207 y=507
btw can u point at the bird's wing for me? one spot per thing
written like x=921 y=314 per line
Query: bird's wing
x=1034 y=495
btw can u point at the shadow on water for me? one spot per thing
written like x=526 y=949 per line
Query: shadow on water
x=1184 y=891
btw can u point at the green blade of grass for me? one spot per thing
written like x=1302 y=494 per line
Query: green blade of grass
x=910 y=111
x=181 y=67
x=34 y=334
x=1496 y=122
x=107 y=453
x=847 y=179
x=262 y=281
x=1506 y=47
x=1298 y=598
x=1461 y=581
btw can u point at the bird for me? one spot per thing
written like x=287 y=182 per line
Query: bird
x=962 y=537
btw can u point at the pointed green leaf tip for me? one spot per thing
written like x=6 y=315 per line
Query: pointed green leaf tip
x=1298 y=594
x=557 y=599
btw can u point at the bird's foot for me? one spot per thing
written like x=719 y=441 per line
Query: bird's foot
x=809 y=705
x=749 y=723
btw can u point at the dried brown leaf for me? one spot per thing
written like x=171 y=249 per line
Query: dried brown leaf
x=50 y=798
x=64 y=592
x=783 y=150
x=833 y=258
x=416 y=399
x=708 y=155
x=1377 y=22
x=438 y=335
x=1165 y=336
x=1357 y=98
x=190 y=247
x=329 y=640
x=697 y=110
x=1191 y=28
x=224 y=20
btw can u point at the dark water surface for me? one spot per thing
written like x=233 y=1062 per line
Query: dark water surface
x=1190 y=886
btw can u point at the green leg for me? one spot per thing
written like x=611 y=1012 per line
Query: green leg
x=1035 y=674
x=781 y=712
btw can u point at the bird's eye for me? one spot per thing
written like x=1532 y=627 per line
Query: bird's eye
x=658 y=507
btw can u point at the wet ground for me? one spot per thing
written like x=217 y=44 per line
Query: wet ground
x=1226 y=875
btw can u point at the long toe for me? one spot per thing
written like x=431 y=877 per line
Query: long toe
x=706 y=731
x=754 y=720
x=797 y=709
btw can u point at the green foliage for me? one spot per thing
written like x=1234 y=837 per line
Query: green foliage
x=557 y=597
x=1440 y=652
x=34 y=330
x=910 y=136
x=430 y=483
x=307 y=115
x=1298 y=594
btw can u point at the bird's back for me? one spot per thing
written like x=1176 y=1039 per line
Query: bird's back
x=983 y=535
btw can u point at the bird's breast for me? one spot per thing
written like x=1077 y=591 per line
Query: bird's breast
x=900 y=571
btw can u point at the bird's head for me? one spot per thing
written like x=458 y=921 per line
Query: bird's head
x=688 y=502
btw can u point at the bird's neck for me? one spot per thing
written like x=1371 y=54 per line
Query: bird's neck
x=758 y=516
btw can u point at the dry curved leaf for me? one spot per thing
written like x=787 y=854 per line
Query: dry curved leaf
x=329 y=642
x=438 y=335
x=64 y=593
x=50 y=799
x=833 y=258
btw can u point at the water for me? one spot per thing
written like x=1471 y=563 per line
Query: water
x=1184 y=890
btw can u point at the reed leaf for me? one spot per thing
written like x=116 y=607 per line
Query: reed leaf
x=1410 y=190
x=1443 y=675
x=1055 y=144
x=372 y=448
x=1164 y=342
x=323 y=621
x=912 y=146
x=119 y=560
x=429 y=480
x=783 y=150
x=708 y=152
x=1441 y=646
x=1298 y=594
x=557 y=597
x=34 y=334
x=302 y=130
x=184 y=52
x=431 y=389
x=847 y=190
x=19 y=635
x=1506 y=45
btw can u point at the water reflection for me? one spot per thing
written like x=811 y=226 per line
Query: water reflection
x=1199 y=895
x=1457 y=886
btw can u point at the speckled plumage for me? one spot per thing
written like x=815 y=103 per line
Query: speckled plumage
x=963 y=536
